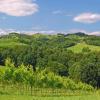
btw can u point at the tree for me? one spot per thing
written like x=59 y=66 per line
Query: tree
x=87 y=69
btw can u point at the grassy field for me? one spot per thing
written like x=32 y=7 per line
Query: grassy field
x=9 y=93
x=9 y=43
x=25 y=97
x=78 y=48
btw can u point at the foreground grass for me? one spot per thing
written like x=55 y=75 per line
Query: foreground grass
x=47 y=94
x=9 y=92
x=25 y=97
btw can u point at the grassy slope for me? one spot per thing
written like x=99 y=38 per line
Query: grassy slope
x=9 y=43
x=78 y=48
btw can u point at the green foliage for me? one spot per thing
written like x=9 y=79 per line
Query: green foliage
x=86 y=49
x=41 y=79
x=93 y=40
x=9 y=63
x=87 y=69
x=73 y=55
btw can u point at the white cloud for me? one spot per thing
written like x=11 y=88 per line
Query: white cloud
x=57 y=12
x=87 y=18
x=94 y=33
x=18 y=7
x=7 y=31
x=29 y=32
x=2 y=32
x=77 y=30
x=41 y=32
x=97 y=33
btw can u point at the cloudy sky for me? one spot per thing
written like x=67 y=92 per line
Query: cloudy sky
x=50 y=16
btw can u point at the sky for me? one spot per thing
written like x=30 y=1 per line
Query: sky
x=50 y=16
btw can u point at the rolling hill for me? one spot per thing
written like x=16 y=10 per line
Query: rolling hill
x=78 y=47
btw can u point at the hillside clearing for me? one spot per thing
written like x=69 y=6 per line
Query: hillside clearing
x=78 y=48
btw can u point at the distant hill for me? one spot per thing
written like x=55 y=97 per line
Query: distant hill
x=75 y=41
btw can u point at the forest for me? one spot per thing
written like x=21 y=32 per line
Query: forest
x=60 y=61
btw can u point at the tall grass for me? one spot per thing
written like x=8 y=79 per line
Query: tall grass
x=25 y=90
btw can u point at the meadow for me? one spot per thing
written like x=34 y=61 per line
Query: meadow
x=94 y=96
x=48 y=94
x=79 y=47
x=5 y=43
x=24 y=97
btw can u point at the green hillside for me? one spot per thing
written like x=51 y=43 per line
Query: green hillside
x=4 y=43
x=59 y=53
x=79 y=47
x=49 y=65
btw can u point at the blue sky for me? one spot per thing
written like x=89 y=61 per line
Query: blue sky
x=50 y=16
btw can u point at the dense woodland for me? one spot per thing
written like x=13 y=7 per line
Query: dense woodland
x=51 y=60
